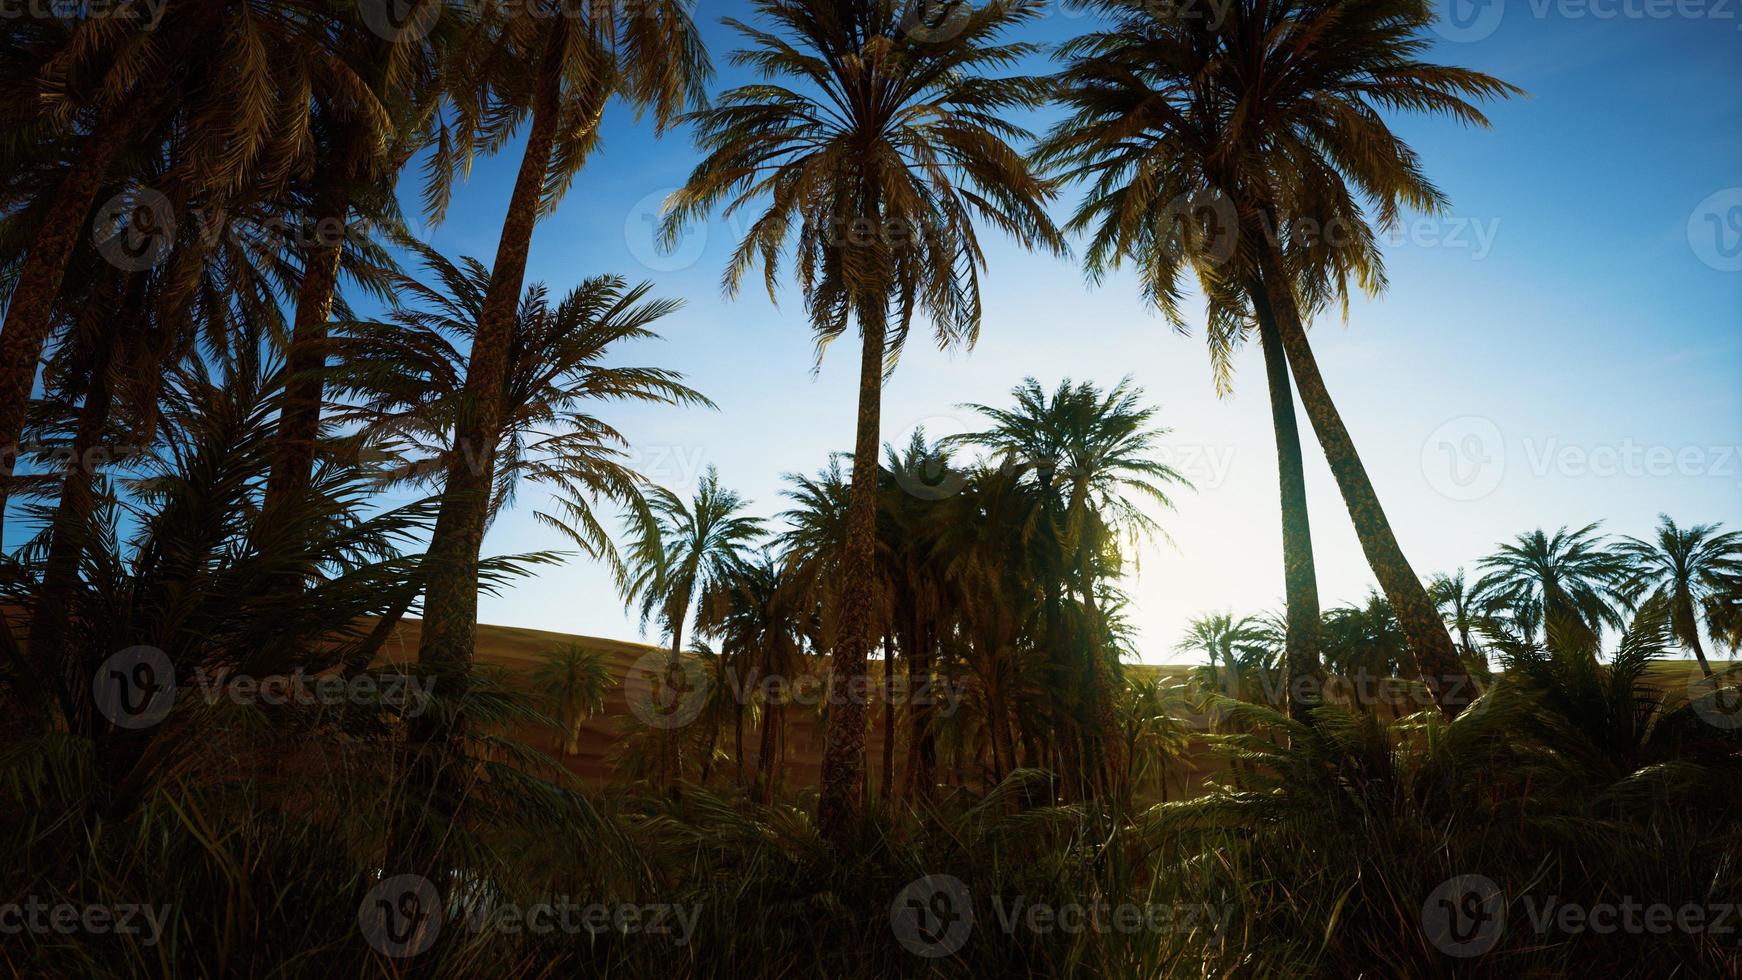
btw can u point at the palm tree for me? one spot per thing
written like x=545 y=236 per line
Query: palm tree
x=876 y=147
x=758 y=630
x=1220 y=145
x=1694 y=569
x=681 y=555
x=573 y=680
x=1365 y=645
x=232 y=83
x=1090 y=454
x=987 y=546
x=553 y=65
x=1465 y=614
x=367 y=133
x=1569 y=580
x=406 y=380
x=1242 y=655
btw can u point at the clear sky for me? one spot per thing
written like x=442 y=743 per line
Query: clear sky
x=1563 y=349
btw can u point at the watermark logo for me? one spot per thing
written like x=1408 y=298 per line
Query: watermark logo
x=665 y=694
x=1465 y=916
x=135 y=688
x=1465 y=21
x=401 y=916
x=935 y=21
x=1202 y=224
x=643 y=233
x=400 y=21
x=1465 y=458
x=931 y=477
x=1717 y=699
x=134 y=230
x=1715 y=230
x=933 y=916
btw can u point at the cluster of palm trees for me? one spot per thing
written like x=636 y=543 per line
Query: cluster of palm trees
x=997 y=572
x=1540 y=591
x=215 y=147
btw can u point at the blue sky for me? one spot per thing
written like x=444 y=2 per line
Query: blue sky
x=1563 y=348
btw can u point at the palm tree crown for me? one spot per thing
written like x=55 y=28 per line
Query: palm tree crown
x=1570 y=579
x=1696 y=569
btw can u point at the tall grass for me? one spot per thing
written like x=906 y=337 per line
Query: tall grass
x=1316 y=859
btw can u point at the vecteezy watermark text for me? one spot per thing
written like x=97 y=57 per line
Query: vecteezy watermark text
x=38 y=917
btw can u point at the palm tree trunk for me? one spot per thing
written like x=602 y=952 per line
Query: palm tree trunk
x=1690 y=624
x=450 y=624
x=765 y=754
x=1300 y=581
x=30 y=309
x=1112 y=756
x=839 y=807
x=670 y=759
x=51 y=619
x=738 y=731
x=921 y=751
x=299 y=417
x=888 y=717
x=1429 y=640
x=451 y=607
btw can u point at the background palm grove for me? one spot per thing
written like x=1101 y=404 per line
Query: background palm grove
x=258 y=428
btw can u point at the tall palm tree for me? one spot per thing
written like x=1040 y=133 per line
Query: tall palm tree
x=1091 y=454
x=987 y=546
x=405 y=381
x=876 y=147
x=1219 y=145
x=1569 y=580
x=233 y=82
x=1465 y=614
x=1694 y=569
x=553 y=66
x=681 y=555
x=758 y=630
x=367 y=132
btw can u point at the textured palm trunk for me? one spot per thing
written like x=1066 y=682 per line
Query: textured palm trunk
x=299 y=418
x=1077 y=759
x=840 y=805
x=1688 y=625
x=765 y=754
x=29 y=311
x=738 y=732
x=921 y=750
x=1301 y=664
x=888 y=718
x=1106 y=721
x=1430 y=642
x=451 y=606
x=68 y=537
x=670 y=758
x=450 y=623
x=996 y=732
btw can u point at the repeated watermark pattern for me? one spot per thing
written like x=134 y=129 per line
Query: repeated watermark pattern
x=136 y=688
x=1465 y=21
x=665 y=694
x=933 y=917
x=39 y=917
x=1467 y=915
x=1469 y=457
x=403 y=916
